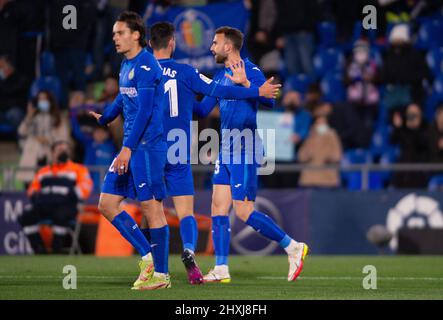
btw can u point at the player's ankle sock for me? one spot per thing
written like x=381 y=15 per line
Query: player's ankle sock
x=160 y=248
x=131 y=232
x=189 y=232
x=146 y=233
x=221 y=233
x=289 y=244
x=223 y=268
x=265 y=226
x=147 y=257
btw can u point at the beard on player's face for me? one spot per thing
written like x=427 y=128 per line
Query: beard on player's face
x=220 y=57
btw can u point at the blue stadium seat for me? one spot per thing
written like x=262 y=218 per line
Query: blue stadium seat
x=436 y=183
x=328 y=60
x=333 y=88
x=435 y=98
x=298 y=82
x=353 y=179
x=48 y=79
x=434 y=58
x=378 y=179
x=327 y=34
x=430 y=34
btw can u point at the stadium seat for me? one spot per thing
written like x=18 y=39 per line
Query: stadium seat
x=299 y=82
x=436 y=183
x=327 y=34
x=333 y=88
x=430 y=34
x=378 y=179
x=435 y=98
x=353 y=179
x=48 y=79
x=434 y=58
x=328 y=60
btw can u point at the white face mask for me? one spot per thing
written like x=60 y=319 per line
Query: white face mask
x=361 y=56
x=322 y=129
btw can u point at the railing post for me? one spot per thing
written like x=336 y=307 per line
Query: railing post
x=365 y=178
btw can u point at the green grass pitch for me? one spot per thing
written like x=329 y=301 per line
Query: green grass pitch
x=323 y=277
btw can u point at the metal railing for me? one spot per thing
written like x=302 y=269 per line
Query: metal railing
x=8 y=181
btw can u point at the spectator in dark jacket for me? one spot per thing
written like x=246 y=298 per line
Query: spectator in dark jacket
x=410 y=133
x=404 y=69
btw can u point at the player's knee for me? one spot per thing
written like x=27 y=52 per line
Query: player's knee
x=219 y=206
x=243 y=209
x=107 y=209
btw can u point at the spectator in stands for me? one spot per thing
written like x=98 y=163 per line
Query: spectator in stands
x=404 y=69
x=55 y=193
x=410 y=133
x=13 y=93
x=301 y=118
x=42 y=126
x=436 y=137
x=322 y=147
x=295 y=28
x=99 y=148
x=362 y=93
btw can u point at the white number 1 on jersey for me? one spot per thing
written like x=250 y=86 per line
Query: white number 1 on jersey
x=171 y=88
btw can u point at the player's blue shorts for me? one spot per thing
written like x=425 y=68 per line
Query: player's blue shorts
x=179 y=180
x=241 y=177
x=144 y=179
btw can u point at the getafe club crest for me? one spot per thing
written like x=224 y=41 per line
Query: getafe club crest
x=194 y=32
x=131 y=74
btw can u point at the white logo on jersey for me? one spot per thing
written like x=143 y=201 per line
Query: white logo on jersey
x=238 y=185
x=256 y=68
x=205 y=79
x=145 y=67
x=142 y=185
x=129 y=91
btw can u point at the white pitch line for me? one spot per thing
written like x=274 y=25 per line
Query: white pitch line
x=356 y=278
x=260 y=278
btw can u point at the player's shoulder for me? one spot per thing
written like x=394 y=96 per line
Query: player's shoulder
x=148 y=62
x=252 y=67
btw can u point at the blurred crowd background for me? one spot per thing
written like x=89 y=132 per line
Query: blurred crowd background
x=351 y=96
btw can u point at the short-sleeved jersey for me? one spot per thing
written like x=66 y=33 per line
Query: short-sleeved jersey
x=240 y=114
x=142 y=71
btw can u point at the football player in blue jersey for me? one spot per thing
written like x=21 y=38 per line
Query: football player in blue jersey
x=183 y=82
x=235 y=180
x=138 y=170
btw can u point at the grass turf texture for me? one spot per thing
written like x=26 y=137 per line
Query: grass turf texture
x=323 y=277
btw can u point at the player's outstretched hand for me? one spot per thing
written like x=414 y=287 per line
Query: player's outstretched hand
x=269 y=90
x=122 y=161
x=96 y=115
x=238 y=73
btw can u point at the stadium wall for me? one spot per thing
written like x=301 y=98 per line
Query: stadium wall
x=331 y=221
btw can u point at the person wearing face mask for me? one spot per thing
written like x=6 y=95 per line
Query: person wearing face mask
x=42 y=125
x=404 y=69
x=322 y=147
x=410 y=134
x=55 y=193
x=302 y=118
x=362 y=93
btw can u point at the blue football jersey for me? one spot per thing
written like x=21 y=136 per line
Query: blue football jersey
x=182 y=83
x=142 y=71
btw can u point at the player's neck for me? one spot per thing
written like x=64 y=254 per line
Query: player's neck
x=133 y=52
x=232 y=58
x=162 y=54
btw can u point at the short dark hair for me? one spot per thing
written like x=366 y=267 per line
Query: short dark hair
x=233 y=34
x=161 y=33
x=134 y=23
